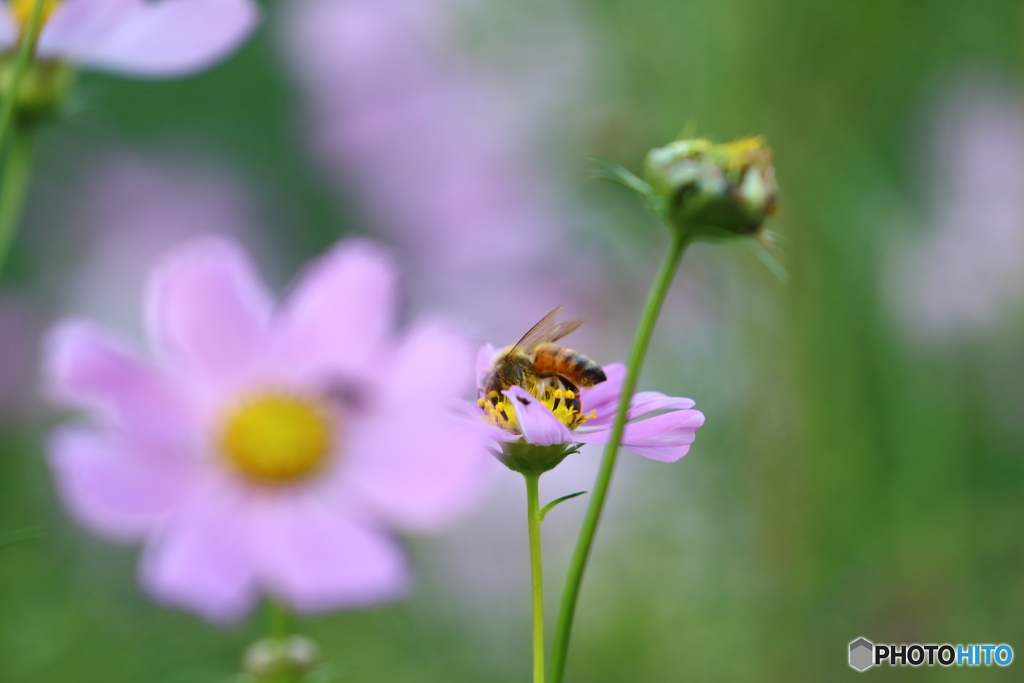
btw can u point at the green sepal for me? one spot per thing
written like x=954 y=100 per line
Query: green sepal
x=528 y=458
x=606 y=169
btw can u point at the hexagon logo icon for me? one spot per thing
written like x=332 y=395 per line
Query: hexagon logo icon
x=862 y=654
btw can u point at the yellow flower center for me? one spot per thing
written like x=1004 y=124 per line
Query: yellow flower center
x=22 y=11
x=278 y=438
x=563 y=403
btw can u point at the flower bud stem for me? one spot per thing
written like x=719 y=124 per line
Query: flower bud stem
x=278 y=619
x=13 y=186
x=533 y=518
x=16 y=169
x=26 y=50
x=680 y=240
x=279 y=627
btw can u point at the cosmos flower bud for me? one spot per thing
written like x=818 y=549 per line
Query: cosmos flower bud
x=43 y=88
x=714 y=189
x=272 y=659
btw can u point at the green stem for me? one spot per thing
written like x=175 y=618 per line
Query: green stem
x=26 y=50
x=536 y=572
x=604 y=477
x=279 y=620
x=279 y=628
x=13 y=186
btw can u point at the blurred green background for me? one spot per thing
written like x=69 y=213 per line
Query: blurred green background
x=849 y=482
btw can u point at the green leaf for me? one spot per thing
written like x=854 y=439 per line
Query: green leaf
x=9 y=538
x=550 y=506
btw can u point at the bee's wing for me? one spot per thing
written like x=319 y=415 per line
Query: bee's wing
x=547 y=330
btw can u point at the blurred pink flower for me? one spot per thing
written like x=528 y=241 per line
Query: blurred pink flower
x=966 y=271
x=265 y=448
x=658 y=427
x=446 y=153
x=135 y=37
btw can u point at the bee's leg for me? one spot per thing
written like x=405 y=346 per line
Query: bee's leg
x=561 y=380
x=568 y=386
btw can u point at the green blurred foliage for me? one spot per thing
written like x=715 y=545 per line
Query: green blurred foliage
x=845 y=485
x=882 y=498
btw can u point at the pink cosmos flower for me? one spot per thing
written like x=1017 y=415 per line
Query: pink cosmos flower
x=658 y=427
x=134 y=37
x=265 y=449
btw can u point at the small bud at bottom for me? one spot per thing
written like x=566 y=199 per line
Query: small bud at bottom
x=269 y=658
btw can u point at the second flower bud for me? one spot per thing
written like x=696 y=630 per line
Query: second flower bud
x=714 y=190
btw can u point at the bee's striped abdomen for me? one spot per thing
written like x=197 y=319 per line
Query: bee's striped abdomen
x=551 y=359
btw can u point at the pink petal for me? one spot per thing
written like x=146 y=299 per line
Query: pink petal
x=317 y=559
x=341 y=309
x=643 y=403
x=76 y=26
x=604 y=398
x=484 y=363
x=207 y=311
x=201 y=558
x=113 y=491
x=414 y=458
x=652 y=401
x=434 y=364
x=89 y=368
x=155 y=39
x=495 y=433
x=471 y=413
x=664 y=437
x=418 y=472
x=536 y=421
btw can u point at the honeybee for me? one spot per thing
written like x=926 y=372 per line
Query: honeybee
x=536 y=363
